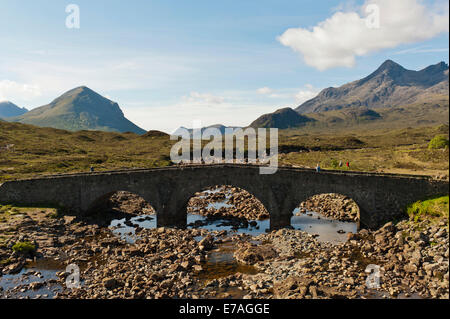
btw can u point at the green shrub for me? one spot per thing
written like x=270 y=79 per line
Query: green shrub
x=334 y=163
x=438 y=142
x=24 y=247
x=432 y=208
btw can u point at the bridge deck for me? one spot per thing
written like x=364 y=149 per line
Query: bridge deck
x=176 y=167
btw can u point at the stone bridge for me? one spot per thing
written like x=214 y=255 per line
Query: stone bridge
x=380 y=197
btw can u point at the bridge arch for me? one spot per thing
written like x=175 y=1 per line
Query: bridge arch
x=184 y=196
x=331 y=205
x=362 y=199
x=227 y=202
x=118 y=205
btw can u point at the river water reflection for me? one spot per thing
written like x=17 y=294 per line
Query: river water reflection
x=326 y=229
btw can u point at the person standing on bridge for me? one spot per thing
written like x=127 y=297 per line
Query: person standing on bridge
x=348 y=165
x=318 y=168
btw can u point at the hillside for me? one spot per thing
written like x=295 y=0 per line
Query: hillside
x=38 y=150
x=390 y=85
x=360 y=118
x=9 y=109
x=283 y=119
x=80 y=109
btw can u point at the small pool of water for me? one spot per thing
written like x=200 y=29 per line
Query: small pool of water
x=324 y=228
x=258 y=227
x=126 y=228
x=221 y=263
x=327 y=229
x=43 y=270
x=218 y=204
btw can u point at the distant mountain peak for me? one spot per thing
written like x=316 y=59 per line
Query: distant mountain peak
x=389 y=85
x=389 y=64
x=390 y=67
x=80 y=91
x=9 y=109
x=81 y=109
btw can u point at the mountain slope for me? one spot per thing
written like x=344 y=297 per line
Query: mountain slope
x=9 y=109
x=418 y=114
x=282 y=119
x=390 y=85
x=80 y=109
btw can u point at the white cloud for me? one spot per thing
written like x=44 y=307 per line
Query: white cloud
x=306 y=93
x=294 y=96
x=338 y=40
x=274 y=94
x=264 y=90
x=346 y=6
x=47 y=78
x=421 y=50
x=156 y=117
x=11 y=90
x=202 y=99
x=221 y=109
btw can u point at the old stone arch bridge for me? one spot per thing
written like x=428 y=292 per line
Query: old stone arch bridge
x=380 y=197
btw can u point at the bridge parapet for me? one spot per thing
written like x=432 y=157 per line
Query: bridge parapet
x=381 y=197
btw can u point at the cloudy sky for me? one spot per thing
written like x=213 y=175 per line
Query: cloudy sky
x=168 y=63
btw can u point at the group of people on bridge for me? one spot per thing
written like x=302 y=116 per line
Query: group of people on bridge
x=347 y=164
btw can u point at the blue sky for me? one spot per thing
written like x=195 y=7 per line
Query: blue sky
x=168 y=63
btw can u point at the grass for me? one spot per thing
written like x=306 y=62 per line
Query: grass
x=6 y=211
x=397 y=151
x=41 y=151
x=24 y=247
x=436 y=208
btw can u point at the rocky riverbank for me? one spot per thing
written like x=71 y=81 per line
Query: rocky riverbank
x=413 y=258
x=331 y=205
x=238 y=204
x=160 y=265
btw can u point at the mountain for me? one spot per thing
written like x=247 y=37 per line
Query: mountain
x=435 y=112
x=282 y=119
x=80 y=109
x=390 y=85
x=8 y=109
x=220 y=127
